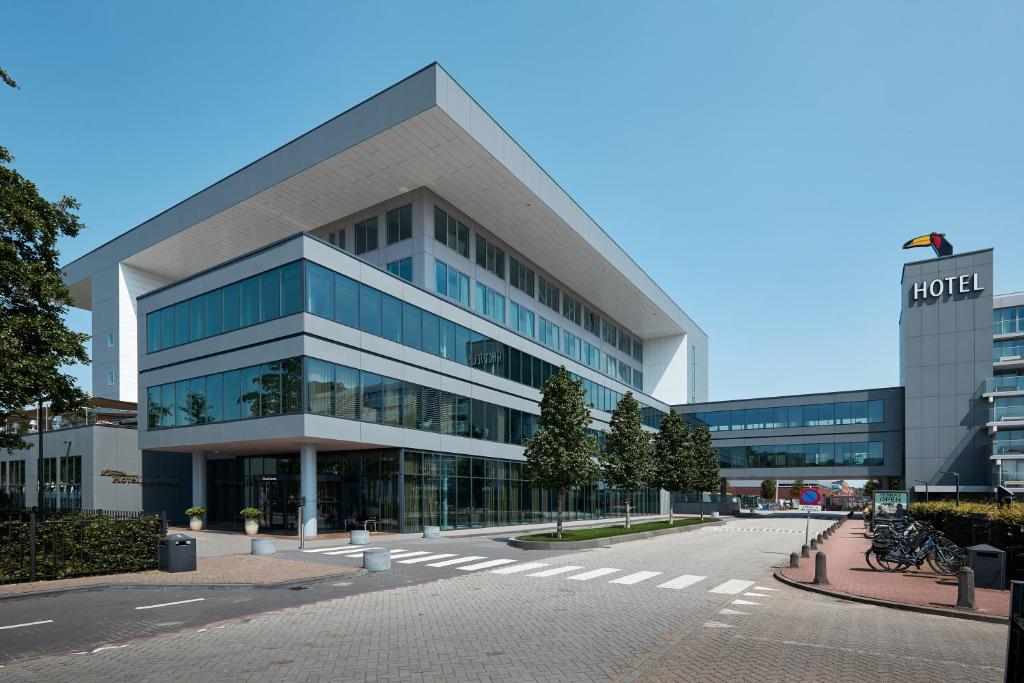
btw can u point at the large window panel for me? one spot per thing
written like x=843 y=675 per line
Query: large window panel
x=348 y=393
x=270 y=295
x=250 y=398
x=431 y=334
x=291 y=385
x=181 y=313
x=198 y=406
x=232 y=395
x=153 y=332
x=412 y=326
x=182 y=404
x=371 y=401
x=391 y=401
x=232 y=306
x=410 y=405
x=391 y=318
x=346 y=300
x=369 y=310
x=449 y=339
x=215 y=397
x=250 y=301
x=214 y=312
x=319 y=290
x=167 y=328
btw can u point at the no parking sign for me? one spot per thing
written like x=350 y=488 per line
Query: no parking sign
x=810 y=499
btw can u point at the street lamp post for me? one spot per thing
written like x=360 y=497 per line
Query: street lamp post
x=922 y=481
x=957 y=475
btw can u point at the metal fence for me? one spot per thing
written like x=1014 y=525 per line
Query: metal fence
x=79 y=543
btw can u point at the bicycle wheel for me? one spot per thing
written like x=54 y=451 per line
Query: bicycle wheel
x=945 y=559
x=891 y=562
x=870 y=557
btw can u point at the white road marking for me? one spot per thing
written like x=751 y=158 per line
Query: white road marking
x=28 y=623
x=732 y=587
x=457 y=560
x=715 y=624
x=756 y=595
x=324 y=550
x=526 y=566
x=557 y=570
x=108 y=647
x=412 y=554
x=682 y=582
x=765 y=588
x=356 y=552
x=428 y=558
x=486 y=565
x=744 y=602
x=630 y=579
x=726 y=610
x=169 y=604
x=593 y=574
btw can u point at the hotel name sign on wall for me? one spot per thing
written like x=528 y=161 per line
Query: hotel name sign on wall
x=946 y=286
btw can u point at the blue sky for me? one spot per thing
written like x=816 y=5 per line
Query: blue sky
x=763 y=162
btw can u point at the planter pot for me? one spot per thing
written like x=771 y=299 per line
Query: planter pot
x=195 y=523
x=360 y=537
x=431 y=532
x=252 y=527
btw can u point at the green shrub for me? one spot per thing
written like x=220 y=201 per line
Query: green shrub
x=972 y=523
x=197 y=511
x=79 y=545
x=251 y=513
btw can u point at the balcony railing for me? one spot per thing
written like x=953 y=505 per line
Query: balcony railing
x=1004 y=383
x=1008 y=447
x=108 y=416
x=1012 y=326
x=1012 y=413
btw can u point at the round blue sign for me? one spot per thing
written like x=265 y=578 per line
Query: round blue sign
x=810 y=497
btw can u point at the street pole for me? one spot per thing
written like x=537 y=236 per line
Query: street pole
x=807 y=529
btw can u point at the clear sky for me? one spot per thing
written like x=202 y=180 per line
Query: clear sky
x=764 y=162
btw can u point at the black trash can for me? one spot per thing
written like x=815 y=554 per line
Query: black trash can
x=176 y=553
x=989 y=565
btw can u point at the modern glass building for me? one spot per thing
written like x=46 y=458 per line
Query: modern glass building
x=362 y=319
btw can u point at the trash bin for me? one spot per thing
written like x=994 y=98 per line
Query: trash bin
x=176 y=553
x=989 y=565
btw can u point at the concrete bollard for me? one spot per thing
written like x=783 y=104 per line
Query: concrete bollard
x=360 y=537
x=820 y=571
x=825 y=534
x=431 y=532
x=814 y=544
x=820 y=539
x=377 y=560
x=794 y=560
x=965 y=589
x=263 y=546
x=804 y=552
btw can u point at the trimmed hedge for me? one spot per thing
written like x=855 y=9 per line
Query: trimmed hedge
x=973 y=523
x=78 y=546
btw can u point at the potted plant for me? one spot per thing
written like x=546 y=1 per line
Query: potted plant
x=252 y=520
x=195 y=517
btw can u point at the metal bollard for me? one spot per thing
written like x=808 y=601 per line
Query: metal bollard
x=820 y=572
x=794 y=560
x=820 y=539
x=804 y=552
x=814 y=544
x=965 y=589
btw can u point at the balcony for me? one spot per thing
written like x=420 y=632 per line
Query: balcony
x=1010 y=326
x=1008 y=448
x=1004 y=384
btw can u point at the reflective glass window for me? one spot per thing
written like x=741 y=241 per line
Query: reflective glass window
x=181 y=312
x=371 y=400
x=369 y=310
x=250 y=301
x=232 y=395
x=250 y=397
x=291 y=288
x=391 y=318
x=347 y=392
x=270 y=295
x=346 y=300
x=319 y=290
x=412 y=326
x=431 y=334
x=215 y=312
x=232 y=307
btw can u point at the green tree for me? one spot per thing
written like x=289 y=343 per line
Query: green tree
x=673 y=463
x=869 y=487
x=796 y=488
x=768 y=489
x=560 y=455
x=37 y=343
x=706 y=475
x=626 y=461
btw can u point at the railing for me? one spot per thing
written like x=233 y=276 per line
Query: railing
x=1015 y=649
x=1012 y=413
x=1009 y=326
x=63 y=545
x=1004 y=383
x=109 y=417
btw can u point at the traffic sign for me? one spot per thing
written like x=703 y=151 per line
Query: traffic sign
x=811 y=508
x=809 y=497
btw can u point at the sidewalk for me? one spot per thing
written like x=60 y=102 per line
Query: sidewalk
x=849 y=573
x=227 y=570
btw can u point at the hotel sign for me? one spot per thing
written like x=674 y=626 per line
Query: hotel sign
x=946 y=286
x=119 y=477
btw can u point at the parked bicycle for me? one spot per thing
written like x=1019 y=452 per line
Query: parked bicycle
x=900 y=546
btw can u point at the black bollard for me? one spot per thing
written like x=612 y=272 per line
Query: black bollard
x=804 y=552
x=965 y=589
x=794 y=560
x=820 y=572
x=820 y=538
x=814 y=544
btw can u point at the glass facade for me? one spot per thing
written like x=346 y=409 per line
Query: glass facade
x=489 y=256
x=399 y=224
x=1010 y=349
x=1008 y=442
x=1010 y=408
x=1004 y=383
x=269 y=295
x=451 y=233
x=802 y=455
x=782 y=417
x=402 y=268
x=334 y=296
x=1008 y=320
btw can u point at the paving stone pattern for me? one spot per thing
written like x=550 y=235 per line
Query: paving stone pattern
x=484 y=625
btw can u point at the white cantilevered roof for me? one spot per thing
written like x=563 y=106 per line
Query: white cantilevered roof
x=423 y=131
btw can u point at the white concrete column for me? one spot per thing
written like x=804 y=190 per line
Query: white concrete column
x=307 y=487
x=199 y=478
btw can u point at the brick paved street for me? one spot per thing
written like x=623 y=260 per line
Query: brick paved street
x=697 y=606
x=848 y=573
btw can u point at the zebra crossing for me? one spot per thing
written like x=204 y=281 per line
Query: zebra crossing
x=741 y=588
x=756 y=528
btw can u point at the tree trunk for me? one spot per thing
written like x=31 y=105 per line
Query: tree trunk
x=671 y=518
x=700 y=495
x=561 y=507
x=627 y=512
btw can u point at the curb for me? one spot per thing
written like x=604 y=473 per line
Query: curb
x=604 y=542
x=937 y=611
x=202 y=586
